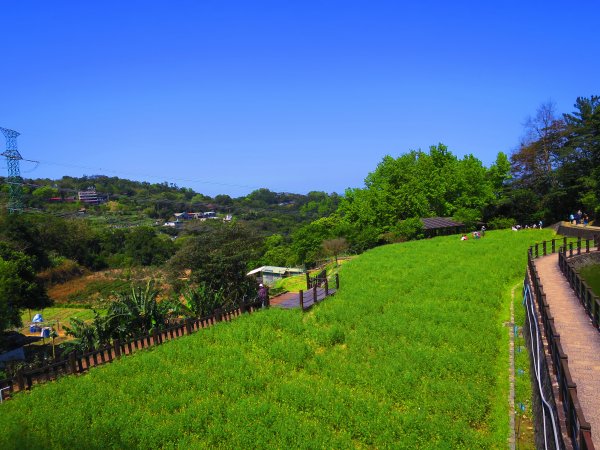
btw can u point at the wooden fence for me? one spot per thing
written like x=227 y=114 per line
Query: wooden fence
x=317 y=292
x=589 y=300
x=318 y=280
x=80 y=363
x=578 y=429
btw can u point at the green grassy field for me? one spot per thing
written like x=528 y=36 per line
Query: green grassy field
x=591 y=274
x=410 y=353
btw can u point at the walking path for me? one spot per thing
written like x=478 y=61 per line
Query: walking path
x=292 y=299
x=578 y=337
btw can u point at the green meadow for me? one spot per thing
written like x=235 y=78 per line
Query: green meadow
x=412 y=352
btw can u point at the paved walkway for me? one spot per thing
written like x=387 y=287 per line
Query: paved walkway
x=579 y=339
x=292 y=299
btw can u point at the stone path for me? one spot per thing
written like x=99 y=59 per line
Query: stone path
x=579 y=339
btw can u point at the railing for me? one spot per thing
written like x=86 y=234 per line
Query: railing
x=578 y=429
x=318 y=280
x=589 y=300
x=80 y=363
x=315 y=294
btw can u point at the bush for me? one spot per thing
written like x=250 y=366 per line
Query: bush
x=500 y=223
x=470 y=217
x=406 y=230
x=66 y=270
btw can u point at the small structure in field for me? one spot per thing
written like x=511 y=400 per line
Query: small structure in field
x=270 y=274
x=441 y=226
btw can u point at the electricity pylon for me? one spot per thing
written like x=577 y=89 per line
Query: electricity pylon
x=14 y=180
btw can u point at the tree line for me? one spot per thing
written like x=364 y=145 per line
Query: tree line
x=554 y=171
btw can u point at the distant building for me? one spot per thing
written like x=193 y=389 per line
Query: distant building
x=270 y=274
x=91 y=197
x=173 y=224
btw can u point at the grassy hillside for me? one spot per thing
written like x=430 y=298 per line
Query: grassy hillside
x=411 y=353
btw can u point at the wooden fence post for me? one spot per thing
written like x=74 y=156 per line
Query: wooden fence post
x=326 y=287
x=117 y=346
x=301 y=297
x=553 y=246
x=188 y=326
x=337 y=281
x=20 y=380
x=72 y=363
x=267 y=299
x=307 y=281
x=314 y=289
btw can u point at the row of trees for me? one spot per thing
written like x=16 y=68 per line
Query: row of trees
x=555 y=171
x=556 y=168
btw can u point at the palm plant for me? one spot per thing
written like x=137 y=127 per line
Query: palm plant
x=137 y=313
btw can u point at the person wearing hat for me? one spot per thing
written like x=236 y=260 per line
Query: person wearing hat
x=263 y=295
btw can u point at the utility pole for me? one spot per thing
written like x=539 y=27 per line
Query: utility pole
x=14 y=180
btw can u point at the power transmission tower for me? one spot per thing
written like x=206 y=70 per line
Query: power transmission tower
x=14 y=180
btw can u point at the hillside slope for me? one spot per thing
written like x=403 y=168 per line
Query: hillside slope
x=410 y=353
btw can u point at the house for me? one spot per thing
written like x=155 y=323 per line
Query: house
x=182 y=216
x=270 y=274
x=441 y=226
x=91 y=197
x=174 y=224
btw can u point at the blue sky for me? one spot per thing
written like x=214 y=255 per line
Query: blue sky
x=225 y=97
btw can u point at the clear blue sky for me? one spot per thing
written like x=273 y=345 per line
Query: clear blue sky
x=225 y=97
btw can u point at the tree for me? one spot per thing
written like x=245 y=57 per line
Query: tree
x=419 y=184
x=145 y=247
x=335 y=247
x=583 y=150
x=19 y=287
x=219 y=255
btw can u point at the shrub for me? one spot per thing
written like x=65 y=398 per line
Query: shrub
x=500 y=223
x=408 y=230
x=66 y=270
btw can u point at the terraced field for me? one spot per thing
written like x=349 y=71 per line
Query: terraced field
x=411 y=353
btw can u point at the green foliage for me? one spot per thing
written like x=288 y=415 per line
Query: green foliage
x=19 y=287
x=145 y=247
x=307 y=241
x=65 y=270
x=419 y=184
x=469 y=216
x=408 y=229
x=202 y=300
x=277 y=252
x=219 y=256
x=556 y=167
x=410 y=353
x=130 y=315
x=591 y=274
x=501 y=223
